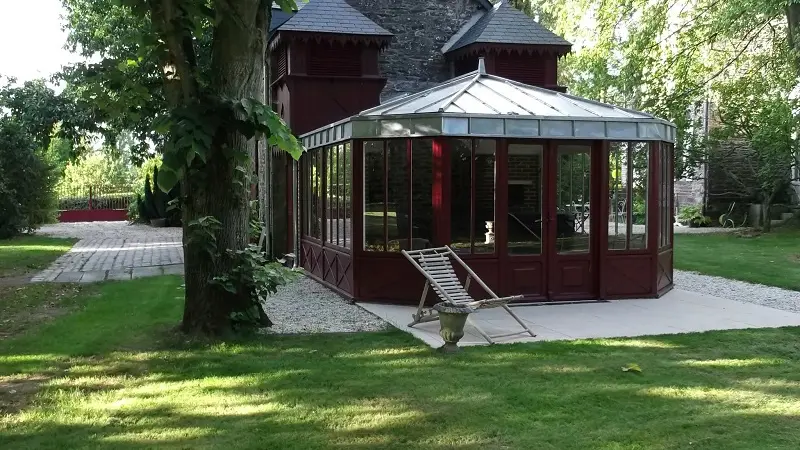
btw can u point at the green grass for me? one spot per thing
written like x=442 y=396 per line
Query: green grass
x=26 y=254
x=114 y=375
x=772 y=259
x=24 y=306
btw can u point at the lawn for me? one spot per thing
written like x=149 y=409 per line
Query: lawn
x=772 y=259
x=114 y=374
x=26 y=254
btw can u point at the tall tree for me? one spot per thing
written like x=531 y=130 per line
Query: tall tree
x=207 y=113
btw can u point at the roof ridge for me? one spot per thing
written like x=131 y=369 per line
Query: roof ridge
x=315 y=17
x=504 y=24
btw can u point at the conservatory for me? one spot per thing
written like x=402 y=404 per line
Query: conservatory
x=541 y=193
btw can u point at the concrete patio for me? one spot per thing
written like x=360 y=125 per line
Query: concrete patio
x=679 y=311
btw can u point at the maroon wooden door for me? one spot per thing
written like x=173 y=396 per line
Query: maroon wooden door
x=521 y=219
x=546 y=242
x=571 y=244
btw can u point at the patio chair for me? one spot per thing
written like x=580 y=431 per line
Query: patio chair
x=436 y=265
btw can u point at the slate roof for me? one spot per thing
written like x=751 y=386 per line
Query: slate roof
x=332 y=16
x=504 y=24
x=279 y=17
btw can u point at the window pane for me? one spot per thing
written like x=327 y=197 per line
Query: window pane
x=421 y=193
x=618 y=191
x=308 y=174
x=573 y=187
x=668 y=180
x=374 y=196
x=397 y=200
x=316 y=194
x=331 y=195
x=319 y=172
x=460 y=194
x=485 y=150
x=347 y=222
x=524 y=199
x=640 y=156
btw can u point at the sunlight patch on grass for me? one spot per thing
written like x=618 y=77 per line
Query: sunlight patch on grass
x=373 y=414
x=750 y=400
x=563 y=369
x=750 y=362
x=633 y=343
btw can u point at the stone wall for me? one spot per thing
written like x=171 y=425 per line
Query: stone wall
x=414 y=60
x=732 y=173
x=689 y=192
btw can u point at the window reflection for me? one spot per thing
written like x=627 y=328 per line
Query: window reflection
x=573 y=188
x=472 y=195
x=524 y=199
x=628 y=164
x=374 y=196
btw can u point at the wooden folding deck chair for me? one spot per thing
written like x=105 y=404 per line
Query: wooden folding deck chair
x=436 y=265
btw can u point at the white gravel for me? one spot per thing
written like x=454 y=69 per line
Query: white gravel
x=306 y=306
x=738 y=290
x=108 y=230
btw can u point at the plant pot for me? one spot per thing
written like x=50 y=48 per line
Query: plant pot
x=452 y=319
x=158 y=223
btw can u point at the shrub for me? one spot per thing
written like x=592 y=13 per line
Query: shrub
x=156 y=204
x=27 y=197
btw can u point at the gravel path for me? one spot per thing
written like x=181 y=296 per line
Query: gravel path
x=109 y=230
x=738 y=290
x=306 y=306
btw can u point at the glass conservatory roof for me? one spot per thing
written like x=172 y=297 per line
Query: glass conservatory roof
x=479 y=104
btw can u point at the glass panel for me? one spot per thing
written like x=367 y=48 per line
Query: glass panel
x=316 y=194
x=347 y=214
x=573 y=187
x=397 y=200
x=374 y=196
x=668 y=194
x=662 y=198
x=640 y=156
x=484 y=166
x=331 y=194
x=617 y=189
x=524 y=199
x=308 y=175
x=460 y=195
x=421 y=193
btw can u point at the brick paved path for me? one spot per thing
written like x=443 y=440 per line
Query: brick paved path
x=114 y=251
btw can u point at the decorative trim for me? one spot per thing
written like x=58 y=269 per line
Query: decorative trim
x=379 y=41
x=481 y=48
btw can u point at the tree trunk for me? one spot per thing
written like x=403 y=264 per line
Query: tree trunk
x=220 y=190
x=793 y=22
x=766 y=208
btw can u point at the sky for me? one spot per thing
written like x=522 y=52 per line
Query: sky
x=31 y=39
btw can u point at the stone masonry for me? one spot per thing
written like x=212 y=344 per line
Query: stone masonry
x=414 y=60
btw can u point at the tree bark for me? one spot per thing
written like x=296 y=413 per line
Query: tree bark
x=766 y=209
x=219 y=190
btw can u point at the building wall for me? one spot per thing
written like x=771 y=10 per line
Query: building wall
x=414 y=60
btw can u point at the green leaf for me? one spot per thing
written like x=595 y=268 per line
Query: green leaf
x=632 y=367
x=167 y=179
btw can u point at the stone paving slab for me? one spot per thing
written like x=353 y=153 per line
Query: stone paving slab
x=93 y=276
x=113 y=251
x=679 y=311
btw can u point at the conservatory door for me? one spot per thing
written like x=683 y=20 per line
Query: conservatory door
x=570 y=245
x=524 y=257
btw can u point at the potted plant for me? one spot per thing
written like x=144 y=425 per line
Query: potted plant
x=452 y=319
